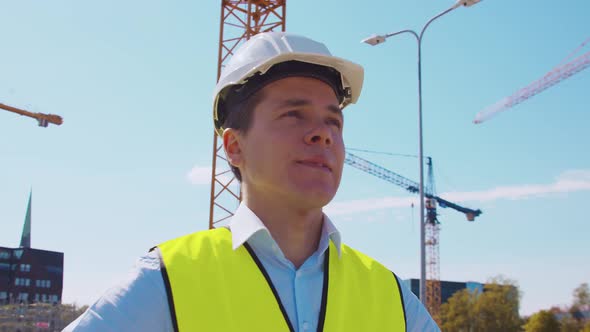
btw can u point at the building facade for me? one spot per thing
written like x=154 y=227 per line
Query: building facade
x=447 y=288
x=30 y=275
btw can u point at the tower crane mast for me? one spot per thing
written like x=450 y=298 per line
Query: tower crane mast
x=432 y=230
x=555 y=76
x=240 y=20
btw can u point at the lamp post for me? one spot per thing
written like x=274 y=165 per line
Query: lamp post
x=379 y=39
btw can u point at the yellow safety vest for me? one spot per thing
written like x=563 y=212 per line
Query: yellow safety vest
x=212 y=287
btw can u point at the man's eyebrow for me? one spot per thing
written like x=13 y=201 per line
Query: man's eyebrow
x=304 y=102
x=294 y=103
x=336 y=110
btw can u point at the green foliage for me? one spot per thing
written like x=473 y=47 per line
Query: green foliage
x=542 y=321
x=495 y=309
x=581 y=296
x=456 y=313
x=569 y=324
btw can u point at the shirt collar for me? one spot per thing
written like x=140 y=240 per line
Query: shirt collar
x=244 y=224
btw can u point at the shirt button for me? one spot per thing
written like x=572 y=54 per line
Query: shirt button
x=305 y=326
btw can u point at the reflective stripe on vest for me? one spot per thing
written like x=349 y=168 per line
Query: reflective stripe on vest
x=212 y=287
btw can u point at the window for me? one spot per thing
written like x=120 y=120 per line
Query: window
x=54 y=269
x=4 y=254
x=4 y=267
x=3 y=296
x=44 y=298
x=37 y=297
x=25 y=267
x=23 y=296
x=43 y=283
x=18 y=253
x=22 y=282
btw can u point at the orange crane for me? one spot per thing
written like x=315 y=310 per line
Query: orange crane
x=433 y=290
x=43 y=119
x=240 y=20
x=563 y=71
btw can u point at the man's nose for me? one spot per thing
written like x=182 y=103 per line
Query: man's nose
x=319 y=134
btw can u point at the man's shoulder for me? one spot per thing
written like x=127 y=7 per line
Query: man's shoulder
x=209 y=235
x=201 y=245
x=365 y=260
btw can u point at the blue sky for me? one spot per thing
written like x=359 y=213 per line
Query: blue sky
x=133 y=81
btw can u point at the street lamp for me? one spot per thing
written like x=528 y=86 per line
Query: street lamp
x=379 y=39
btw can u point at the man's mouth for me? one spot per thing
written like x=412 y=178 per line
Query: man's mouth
x=316 y=164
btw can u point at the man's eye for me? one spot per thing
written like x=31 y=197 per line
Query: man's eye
x=335 y=122
x=295 y=114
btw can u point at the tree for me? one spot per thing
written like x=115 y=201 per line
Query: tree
x=455 y=314
x=569 y=324
x=582 y=296
x=542 y=321
x=494 y=309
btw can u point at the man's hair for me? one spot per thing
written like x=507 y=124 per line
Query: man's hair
x=239 y=117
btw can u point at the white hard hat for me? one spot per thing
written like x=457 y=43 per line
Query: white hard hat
x=265 y=50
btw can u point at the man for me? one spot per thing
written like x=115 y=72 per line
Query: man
x=280 y=265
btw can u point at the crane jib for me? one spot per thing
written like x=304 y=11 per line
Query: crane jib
x=411 y=186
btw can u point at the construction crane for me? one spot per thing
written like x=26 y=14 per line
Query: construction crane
x=409 y=185
x=240 y=20
x=431 y=243
x=556 y=75
x=43 y=119
x=433 y=292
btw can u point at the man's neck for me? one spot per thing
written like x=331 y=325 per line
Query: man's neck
x=296 y=231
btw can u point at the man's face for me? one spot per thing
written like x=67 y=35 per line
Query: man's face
x=294 y=149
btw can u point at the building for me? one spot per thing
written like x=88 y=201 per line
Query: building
x=29 y=275
x=447 y=288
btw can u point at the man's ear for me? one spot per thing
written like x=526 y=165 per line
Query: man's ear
x=231 y=145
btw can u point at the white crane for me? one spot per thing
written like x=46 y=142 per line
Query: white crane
x=558 y=74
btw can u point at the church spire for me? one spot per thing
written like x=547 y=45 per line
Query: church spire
x=25 y=240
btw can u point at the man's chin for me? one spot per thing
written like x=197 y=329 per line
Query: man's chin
x=317 y=200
